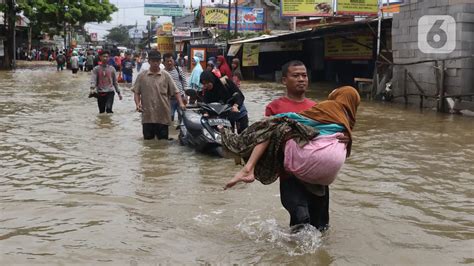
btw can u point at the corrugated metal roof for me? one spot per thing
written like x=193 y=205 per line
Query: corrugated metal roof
x=326 y=29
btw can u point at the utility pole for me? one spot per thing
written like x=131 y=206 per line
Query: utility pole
x=228 y=21
x=9 y=61
x=236 y=16
x=14 y=34
x=149 y=33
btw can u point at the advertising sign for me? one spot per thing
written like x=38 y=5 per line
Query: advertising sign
x=93 y=36
x=250 y=54
x=165 y=44
x=167 y=27
x=213 y=15
x=168 y=8
x=305 y=8
x=248 y=19
x=182 y=32
x=337 y=48
x=359 y=7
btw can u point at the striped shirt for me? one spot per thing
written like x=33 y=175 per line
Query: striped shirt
x=180 y=82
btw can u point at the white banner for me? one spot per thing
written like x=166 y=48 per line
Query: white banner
x=182 y=32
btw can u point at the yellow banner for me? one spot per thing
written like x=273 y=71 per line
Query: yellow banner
x=165 y=44
x=305 y=8
x=216 y=15
x=337 y=48
x=250 y=54
x=358 y=7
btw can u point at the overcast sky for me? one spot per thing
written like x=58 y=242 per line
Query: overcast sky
x=131 y=11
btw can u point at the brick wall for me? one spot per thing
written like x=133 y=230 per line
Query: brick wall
x=459 y=75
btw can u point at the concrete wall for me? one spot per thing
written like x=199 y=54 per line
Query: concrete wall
x=459 y=73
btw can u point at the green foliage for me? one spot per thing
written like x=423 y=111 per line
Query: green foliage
x=225 y=35
x=50 y=15
x=119 y=35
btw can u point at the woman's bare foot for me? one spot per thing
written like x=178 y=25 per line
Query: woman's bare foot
x=244 y=175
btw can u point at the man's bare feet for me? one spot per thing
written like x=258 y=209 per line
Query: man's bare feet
x=244 y=175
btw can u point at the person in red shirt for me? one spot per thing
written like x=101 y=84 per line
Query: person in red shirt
x=303 y=206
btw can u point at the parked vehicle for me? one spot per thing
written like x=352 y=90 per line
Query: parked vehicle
x=199 y=126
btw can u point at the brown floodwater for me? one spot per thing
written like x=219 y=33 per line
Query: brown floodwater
x=77 y=187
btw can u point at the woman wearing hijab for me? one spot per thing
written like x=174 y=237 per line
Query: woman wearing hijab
x=223 y=90
x=211 y=66
x=236 y=73
x=308 y=139
x=194 y=79
x=194 y=82
x=223 y=66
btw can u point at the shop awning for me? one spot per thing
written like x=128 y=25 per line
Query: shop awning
x=334 y=29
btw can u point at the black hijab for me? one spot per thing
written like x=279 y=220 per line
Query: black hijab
x=220 y=92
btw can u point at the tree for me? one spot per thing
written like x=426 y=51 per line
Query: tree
x=51 y=16
x=53 y=13
x=119 y=35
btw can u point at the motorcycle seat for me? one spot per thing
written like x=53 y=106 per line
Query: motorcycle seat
x=192 y=120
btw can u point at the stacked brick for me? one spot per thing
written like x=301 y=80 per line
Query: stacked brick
x=459 y=74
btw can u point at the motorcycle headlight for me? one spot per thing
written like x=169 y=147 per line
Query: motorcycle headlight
x=208 y=135
x=218 y=138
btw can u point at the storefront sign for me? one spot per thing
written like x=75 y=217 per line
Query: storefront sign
x=250 y=54
x=358 y=7
x=165 y=44
x=337 y=48
x=168 y=8
x=305 y=8
x=182 y=32
x=216 y=15
x=281 y=46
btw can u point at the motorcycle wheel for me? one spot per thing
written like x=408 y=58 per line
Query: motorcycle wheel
x=220 y=152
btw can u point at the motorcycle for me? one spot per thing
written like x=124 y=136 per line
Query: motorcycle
x=199 y=124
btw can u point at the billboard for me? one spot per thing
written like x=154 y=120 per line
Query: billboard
x=359 y=7
x=338 y=48
x=214 y=15
x=168 y=8
x=248 y=19
x=305 y=8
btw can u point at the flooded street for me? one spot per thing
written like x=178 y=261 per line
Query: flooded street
x=77 y=187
